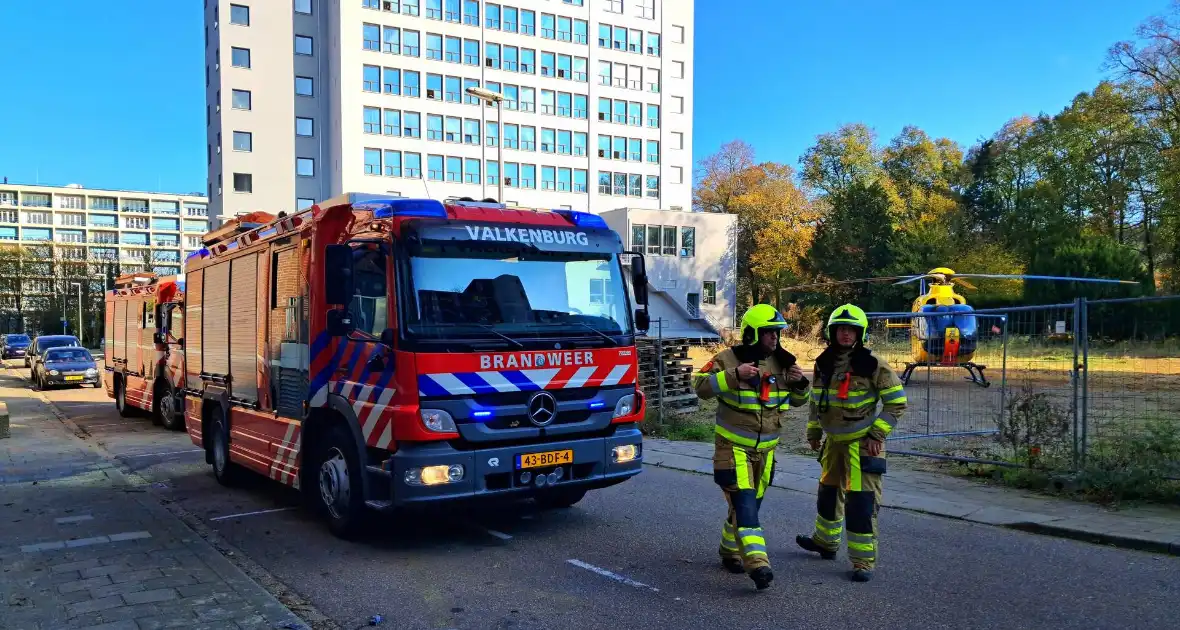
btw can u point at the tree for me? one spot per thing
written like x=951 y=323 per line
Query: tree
x=842 y=159
x=853 y=242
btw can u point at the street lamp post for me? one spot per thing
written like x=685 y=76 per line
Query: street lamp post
x=79 y=286
x=498 y=99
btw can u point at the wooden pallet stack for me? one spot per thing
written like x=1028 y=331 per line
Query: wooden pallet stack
x=666 y=362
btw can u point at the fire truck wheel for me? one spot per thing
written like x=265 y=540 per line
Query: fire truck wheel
x=225 y=471
x=339 y=479
x=121 y=399
x=560 y=498
x=165 y=409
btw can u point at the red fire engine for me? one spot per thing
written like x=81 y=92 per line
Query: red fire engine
x=376 y=353
x=143 y=355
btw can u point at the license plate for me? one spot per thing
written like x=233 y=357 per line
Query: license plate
x=73 y=378
x=549 y=458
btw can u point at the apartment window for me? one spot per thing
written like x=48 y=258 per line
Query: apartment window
x=492 y=133
x=454 y=90
x=411 y=41
x=393 y=163
x=677 y=70
x=452 y=11
x=301 y=203
x=653 y=79
x=370 y=36
x=709 y=292
x=581 y=105
x=511 y=136
x=576 y=3
x=548 y=102
x=688 y=237
x=412 y=165
x=305 y=167
x=303 y=6
x=371 y=76
x=471 y=170
x=653 y=151
x=411 y=86
x=372 y=161
x=434 y=9
x=548 y=178
x=304 y=86
x=243 y=141
x=412 y=124
x=528 y=60
x=492 y=16
x=528 y=22
x=243 y=182
x=239 y=57
x=239 y=15
x=635 y=150
x=565 y=180
x=493 y=174
x=565 y=29
x=548 y=63
x=434 y=127
x=391 y=81
x=468 y=98
x=677 y=140
x=528 y=99
x=452 y=49
x=492 y=55
x=635 y=41
x=511 y=59
x=471 y=53
x=454 y=169
x=581 y=32
x=677 y=175
x=548 y=141
x=304 y=127
x=564 y=67
x=528 y=138
x=372 y=119
x=580 y=72
x=528 y=176
x=677 y=34
x=434 y=87
x=614 y=6
x=580 y=180
x=371 y=4
x=653 y=44
x=653 y=186
x=653 y=116
x=471 y=12
x=647 y=9
x=579 y=142
x=434 y=47
x=452 y=129
x=393 y=123
x=510 y=19
x=303 y=45
x=677 y=104
x=240 y=99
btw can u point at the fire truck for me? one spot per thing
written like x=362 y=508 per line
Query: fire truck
x=143 y=353
x=379 y=353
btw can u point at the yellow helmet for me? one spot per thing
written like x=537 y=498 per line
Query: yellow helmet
x=760 y=317
x=849 y=315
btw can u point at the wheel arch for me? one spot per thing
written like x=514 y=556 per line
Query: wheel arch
x=316 y=427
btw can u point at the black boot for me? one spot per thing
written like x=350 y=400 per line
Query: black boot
x=861 y=575
x=810 y=545
x=762 y=577
x=733 y=565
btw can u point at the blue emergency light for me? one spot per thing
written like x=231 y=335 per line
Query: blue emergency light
x=200 y=253
x=582 y=219
x=389 y=208
x=597 y=404
x=481 y=415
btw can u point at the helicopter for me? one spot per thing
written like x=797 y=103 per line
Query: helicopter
x=950 y=338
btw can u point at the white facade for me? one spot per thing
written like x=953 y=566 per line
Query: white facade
x=597 y=112
x=691 y=267
x=95 y=225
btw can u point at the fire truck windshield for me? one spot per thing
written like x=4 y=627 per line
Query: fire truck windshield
x=487 y=295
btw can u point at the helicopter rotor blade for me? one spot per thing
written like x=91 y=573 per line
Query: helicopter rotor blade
x=1000 y=276
x=963 y=283
x=909 y=279
x=832 y=283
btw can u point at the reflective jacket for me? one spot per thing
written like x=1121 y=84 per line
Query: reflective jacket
x=848 y=384
x=750 y=414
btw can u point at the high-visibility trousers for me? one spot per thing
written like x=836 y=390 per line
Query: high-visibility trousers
x=850 y=488
x=743 y=474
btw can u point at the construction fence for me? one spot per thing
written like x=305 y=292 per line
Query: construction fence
x=1048 y=385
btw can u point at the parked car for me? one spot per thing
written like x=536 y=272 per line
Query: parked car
x=13 y=346
x=44 y=342
x=66 y=365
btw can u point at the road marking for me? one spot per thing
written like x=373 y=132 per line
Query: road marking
x=67 y=520
x=614 y=576
x=191 y=450
x=85 y=542
x=222 y=518
x=500 y=535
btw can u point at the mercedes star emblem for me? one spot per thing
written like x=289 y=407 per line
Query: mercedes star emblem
x=542 y=408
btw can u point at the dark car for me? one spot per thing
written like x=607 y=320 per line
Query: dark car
x=13 y=346
x=43 y=343
x=66 y=366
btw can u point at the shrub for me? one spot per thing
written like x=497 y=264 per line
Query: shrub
x=1034 y=427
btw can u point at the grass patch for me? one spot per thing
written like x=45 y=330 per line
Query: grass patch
x=695 y=426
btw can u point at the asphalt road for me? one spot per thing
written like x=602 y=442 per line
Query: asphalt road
x=643 y=554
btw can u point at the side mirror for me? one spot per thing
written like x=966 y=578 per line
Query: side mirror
x=387 y=337
x=642 y=320
x=639 y=280
x=340 y=323
x=338 y=274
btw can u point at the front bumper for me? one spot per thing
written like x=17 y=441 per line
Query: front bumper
x=62 y=379
x=14 y=354
x=492 y=472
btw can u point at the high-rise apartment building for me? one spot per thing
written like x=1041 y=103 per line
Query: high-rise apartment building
x=311 y=98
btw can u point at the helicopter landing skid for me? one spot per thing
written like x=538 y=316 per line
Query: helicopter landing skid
x=975 y=371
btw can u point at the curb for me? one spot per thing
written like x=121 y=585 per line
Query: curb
x=1031 y=527
x=1098 y=538
x=223 y=555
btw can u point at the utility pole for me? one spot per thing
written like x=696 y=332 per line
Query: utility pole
x=79 y=285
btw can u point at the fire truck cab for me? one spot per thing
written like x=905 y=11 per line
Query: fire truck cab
x=143 y=352
x=378 y=352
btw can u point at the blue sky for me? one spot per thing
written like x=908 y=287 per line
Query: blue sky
x=111 y=95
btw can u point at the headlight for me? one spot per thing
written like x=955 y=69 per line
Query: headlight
x=54 y=372
x=434 y=475
x=438 y=421
x=91 y=372
x=625 y=406
x=625 y=453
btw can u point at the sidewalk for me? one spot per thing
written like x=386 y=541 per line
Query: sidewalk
x=1149 y=528
x=82 y=547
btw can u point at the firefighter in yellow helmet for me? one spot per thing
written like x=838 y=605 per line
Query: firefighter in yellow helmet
x=849 y=382
x=754 y=383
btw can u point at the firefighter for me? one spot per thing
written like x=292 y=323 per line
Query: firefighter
x=849 y=381
x=754 y=383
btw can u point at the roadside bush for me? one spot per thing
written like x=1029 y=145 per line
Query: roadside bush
x=1134 y=466
x=1034 y=428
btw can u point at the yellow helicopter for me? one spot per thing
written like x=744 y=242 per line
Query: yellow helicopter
x=950 y=338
